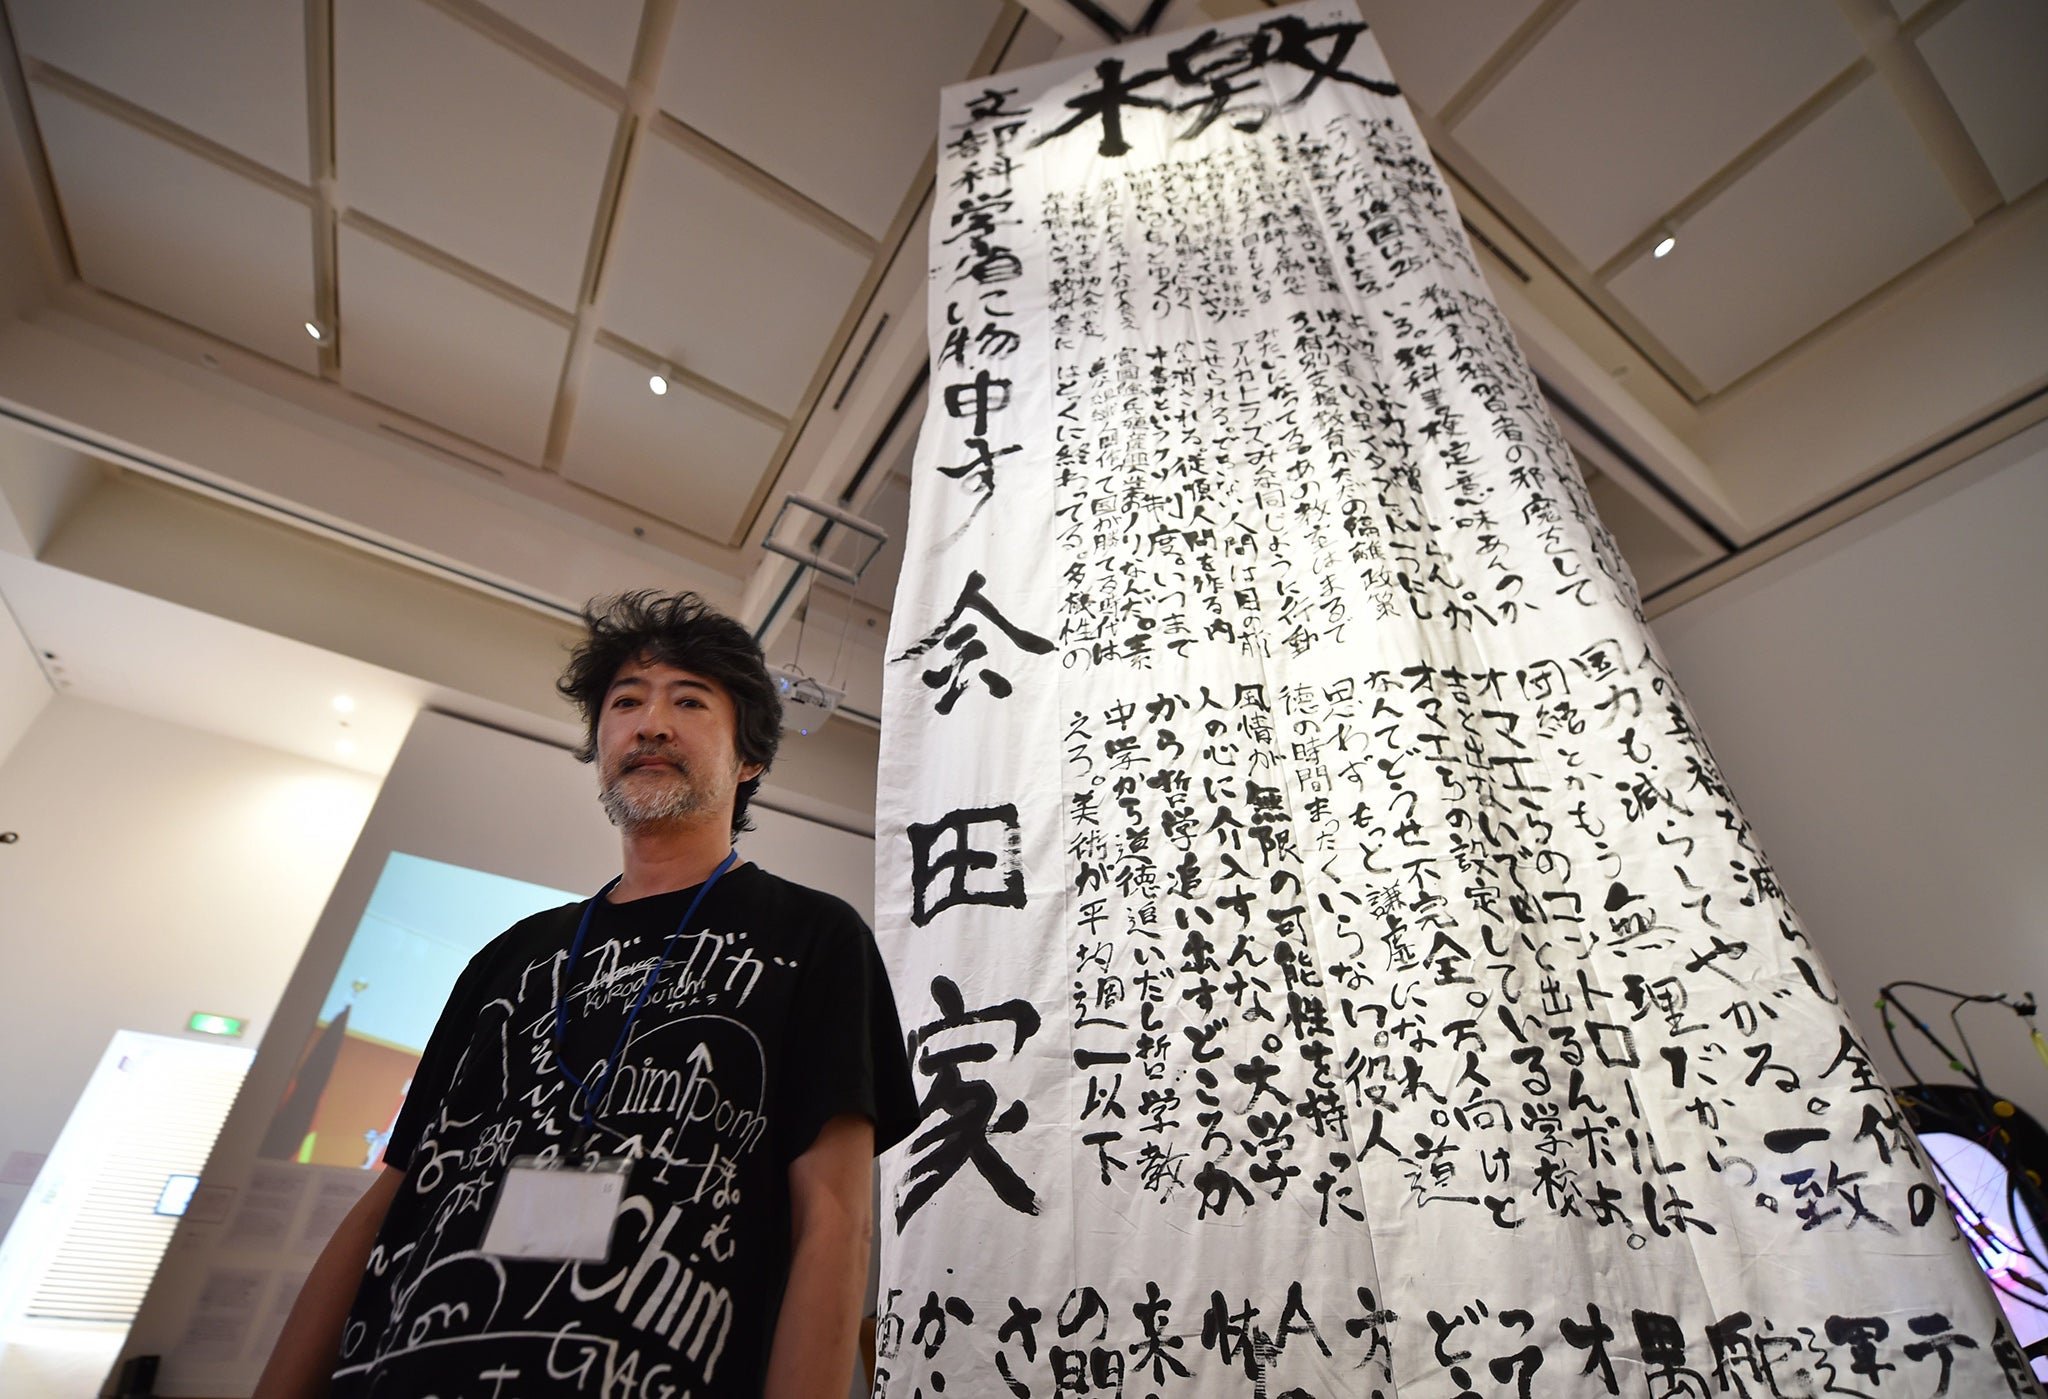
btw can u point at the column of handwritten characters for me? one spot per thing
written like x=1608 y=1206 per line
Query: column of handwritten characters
x=978 y=262
x=1540 y=483
x=965 y=848
x=1199 y=1015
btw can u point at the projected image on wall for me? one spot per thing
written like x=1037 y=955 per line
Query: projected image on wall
x=424 y=921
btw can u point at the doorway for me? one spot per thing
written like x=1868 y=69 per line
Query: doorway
x=80 y=1255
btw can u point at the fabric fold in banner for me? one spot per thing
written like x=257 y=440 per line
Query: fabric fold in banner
x=1333 y=962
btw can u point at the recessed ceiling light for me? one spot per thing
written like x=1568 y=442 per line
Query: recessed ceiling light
x=344 y=746
x=343 y=704
x=657 y=384
x=1664 y=246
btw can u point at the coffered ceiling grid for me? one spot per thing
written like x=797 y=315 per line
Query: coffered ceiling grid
x=503 y=216
x=507 y=217
x=1598 y=128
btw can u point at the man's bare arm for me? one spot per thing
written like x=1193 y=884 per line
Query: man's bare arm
x=303 y=1360
x=831 y=1229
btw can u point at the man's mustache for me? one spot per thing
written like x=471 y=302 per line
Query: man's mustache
x=651 y=752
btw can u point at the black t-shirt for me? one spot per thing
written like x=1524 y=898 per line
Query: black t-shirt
x=772 y=1016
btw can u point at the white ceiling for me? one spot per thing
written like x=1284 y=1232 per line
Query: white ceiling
x=505 y=214
x=1852 y=194
x=840 y=101
x=227 y=254
x=253 y=101
x=471 y=195
x=147 y=656
x=1600 y=162
x=469 y=146
x=1803 y=152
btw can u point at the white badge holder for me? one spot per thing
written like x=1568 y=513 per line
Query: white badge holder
x=556 y=1212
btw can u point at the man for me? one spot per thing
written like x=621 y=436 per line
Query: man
x=636 y=1156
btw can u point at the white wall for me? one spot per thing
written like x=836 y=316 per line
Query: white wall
x=159 y=871
x=1876 y=698
x=23 y=690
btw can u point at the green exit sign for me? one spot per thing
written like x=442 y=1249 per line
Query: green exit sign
x=207 y=1024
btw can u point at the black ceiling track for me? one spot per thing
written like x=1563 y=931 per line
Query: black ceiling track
x=867 y=464
x=1635 y=464
x=1859 y=488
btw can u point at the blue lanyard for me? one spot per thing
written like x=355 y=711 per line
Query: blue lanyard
x=593 y=1094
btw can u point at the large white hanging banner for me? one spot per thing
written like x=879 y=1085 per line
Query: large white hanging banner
x=1332 y=962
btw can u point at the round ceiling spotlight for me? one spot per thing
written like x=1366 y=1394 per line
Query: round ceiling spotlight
x=1667 y=242
x=657 y=382
x=316 y=330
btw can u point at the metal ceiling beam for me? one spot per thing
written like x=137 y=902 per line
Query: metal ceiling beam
x=46 y=239
x=1069 y=23
x=454 y=266
x=320 y=163
x=531 y=47
x=1502 y=61
x=1149 y=21
x=1905 y=71
x=142 y=119
x=643 y=80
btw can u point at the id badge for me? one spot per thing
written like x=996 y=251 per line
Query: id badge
x=556 y=1212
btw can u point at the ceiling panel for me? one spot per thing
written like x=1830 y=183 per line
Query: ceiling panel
x=1627 y=106
x=154 y=223
x=232 y=70
x=840 y=101
x=1991 y=57
x=443 y=349
x=714 y=277
x=596 y=33
x=1435 y=46
x=1842 y=207
x=456 y=140
x=684 y=457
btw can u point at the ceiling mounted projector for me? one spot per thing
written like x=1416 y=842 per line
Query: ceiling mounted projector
x=806 y=703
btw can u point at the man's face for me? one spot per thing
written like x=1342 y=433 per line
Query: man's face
x=666 y=748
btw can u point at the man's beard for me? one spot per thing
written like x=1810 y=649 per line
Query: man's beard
x=637 y=805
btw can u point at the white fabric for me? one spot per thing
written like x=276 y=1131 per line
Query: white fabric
x=1333 y=962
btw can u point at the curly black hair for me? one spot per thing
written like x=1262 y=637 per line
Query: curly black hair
x=684 y=631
